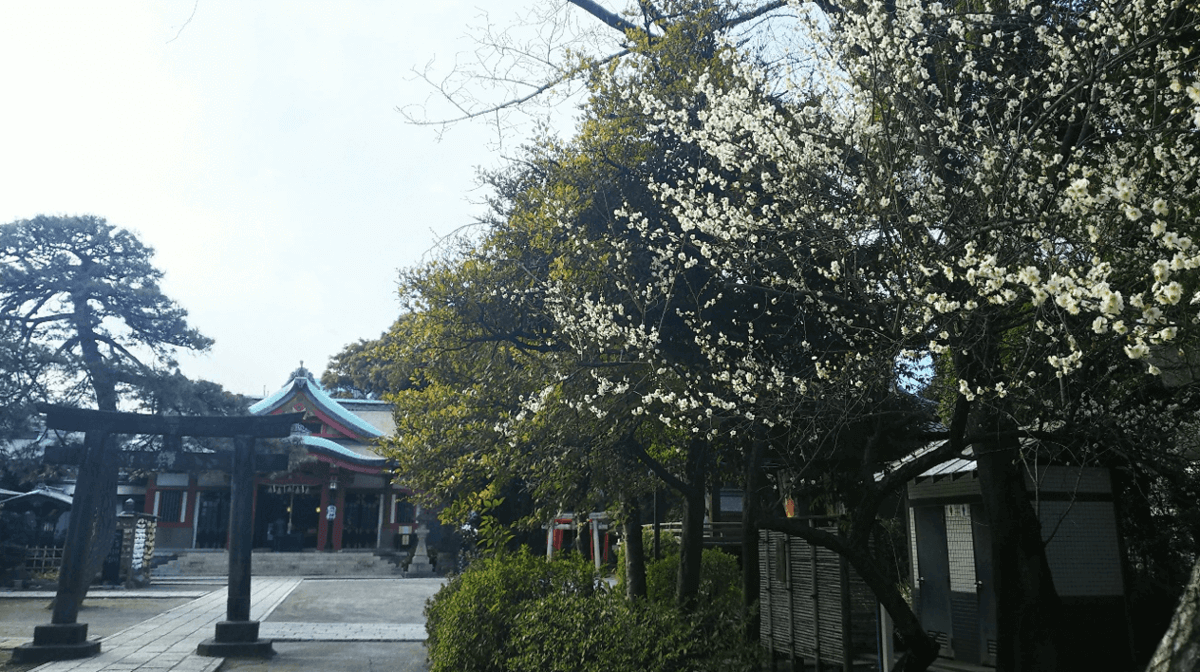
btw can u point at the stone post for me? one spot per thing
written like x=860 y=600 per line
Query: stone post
x=420 y=561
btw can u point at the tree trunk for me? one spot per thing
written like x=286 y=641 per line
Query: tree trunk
x=1027 y=606
x=658 y=504
x=635 y=552
x=750 y=516
x=691 y=544
x=714 y=502
x=1179 y=649
x=578 y=544
x=103 y=521
x=922 y=649
x=103 y=382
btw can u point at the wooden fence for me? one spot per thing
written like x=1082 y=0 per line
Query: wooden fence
x=42 y=559
x=715 y=534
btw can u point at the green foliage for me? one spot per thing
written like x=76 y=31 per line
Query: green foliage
x=172 y=393
x=87 y=290
x=516 y=612
x=470 y=620
x=720 y=581
x=668 y=545
x=606 y=633
x=492 y=535
x=603 y=632
x=720 y=576
x=375 y=368
x=508 y=393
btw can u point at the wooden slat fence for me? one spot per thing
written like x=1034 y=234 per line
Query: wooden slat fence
x=802 y=592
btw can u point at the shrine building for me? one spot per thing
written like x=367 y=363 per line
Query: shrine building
x=336 y=493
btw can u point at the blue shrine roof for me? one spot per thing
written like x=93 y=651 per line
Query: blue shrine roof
x=326 y=403
x=316 y=444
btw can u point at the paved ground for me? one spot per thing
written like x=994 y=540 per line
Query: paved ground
x=104 y=617
x=359 y=601
x=321 y=656
x=317 y=624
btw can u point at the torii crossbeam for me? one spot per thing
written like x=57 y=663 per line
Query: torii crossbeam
x=64 y=637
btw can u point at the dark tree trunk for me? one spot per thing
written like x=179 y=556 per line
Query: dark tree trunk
x=578 y=544
x=1027 y=606
x=103 y=381
x=635 y=552
x=691 y=545
x=714 y=502
x=750 y=515
x=103 y=521
x=922 y=649
x=692 y=488
x=658 y=504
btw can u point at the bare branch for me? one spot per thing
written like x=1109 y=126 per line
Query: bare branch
x=195 y=5
x=606 y=16
x=467 y=115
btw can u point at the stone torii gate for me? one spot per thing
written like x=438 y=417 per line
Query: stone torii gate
x=64 y=637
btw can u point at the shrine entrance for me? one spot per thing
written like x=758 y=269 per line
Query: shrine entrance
x=286 y=517
x=212 y=519
x=361 y=524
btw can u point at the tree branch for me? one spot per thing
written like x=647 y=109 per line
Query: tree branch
x=607 y=17
x=674 y=482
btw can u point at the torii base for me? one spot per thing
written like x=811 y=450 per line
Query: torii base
x=57 y=642
x=236 y=639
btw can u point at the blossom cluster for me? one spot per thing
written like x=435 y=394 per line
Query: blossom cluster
x=931 y=181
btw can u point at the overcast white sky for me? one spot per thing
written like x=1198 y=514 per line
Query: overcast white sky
x=259 y=153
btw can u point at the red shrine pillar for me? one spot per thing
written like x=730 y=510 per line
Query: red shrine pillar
x=329 y=532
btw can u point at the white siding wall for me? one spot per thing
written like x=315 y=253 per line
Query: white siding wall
x=961 y=548
x=912 y=537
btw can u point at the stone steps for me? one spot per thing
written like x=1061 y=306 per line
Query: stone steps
x=342 y=563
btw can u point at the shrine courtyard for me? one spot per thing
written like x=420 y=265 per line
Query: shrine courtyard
x=314 y=623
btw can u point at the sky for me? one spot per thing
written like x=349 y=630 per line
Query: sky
x=256 y=147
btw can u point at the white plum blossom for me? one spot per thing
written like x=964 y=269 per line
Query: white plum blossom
x=880 y=204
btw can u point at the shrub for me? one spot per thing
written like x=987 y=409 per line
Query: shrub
x=607 y=633
x=603 y=633
x=720 y=580
x=668 y=544
x=469 y=620
x=519 y=613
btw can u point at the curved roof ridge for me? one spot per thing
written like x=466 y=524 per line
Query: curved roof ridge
x=323 y=400
x=341 y=452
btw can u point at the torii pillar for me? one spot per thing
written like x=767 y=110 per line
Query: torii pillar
x=64 y=637
x=237 y=635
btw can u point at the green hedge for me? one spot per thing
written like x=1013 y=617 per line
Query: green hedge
x=520 y=613
x=470 y=619
x=720 y=575
x=605 y=633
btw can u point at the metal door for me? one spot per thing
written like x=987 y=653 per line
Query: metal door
x=933 y=563
x=987 y=590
